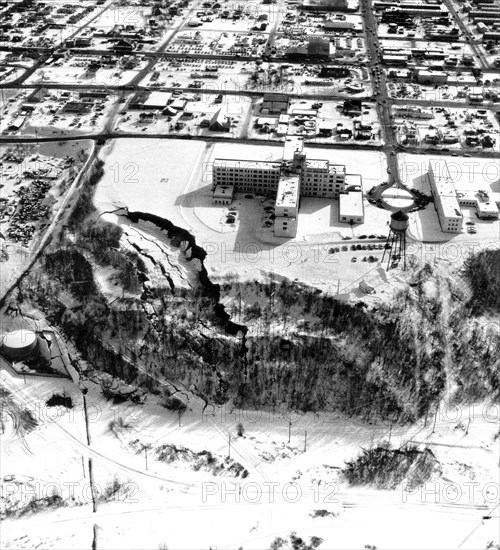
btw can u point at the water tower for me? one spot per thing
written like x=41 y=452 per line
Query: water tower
x=396 y=239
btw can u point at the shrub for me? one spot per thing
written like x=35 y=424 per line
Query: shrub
x=173 y=403
x=58 y=400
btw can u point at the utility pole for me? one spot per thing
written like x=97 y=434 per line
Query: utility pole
x=289 y=430
x=435 y=417
x=305 y=440
x=91 y=475
x=92 y=487
x=146 y=455
x=229 y=450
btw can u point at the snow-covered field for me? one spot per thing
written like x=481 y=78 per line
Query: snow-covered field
x=285 y=483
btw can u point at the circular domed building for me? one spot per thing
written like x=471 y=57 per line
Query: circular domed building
x=20 y=345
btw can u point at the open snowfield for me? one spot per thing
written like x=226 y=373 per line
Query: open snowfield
x=284 y=486
x=148 y=175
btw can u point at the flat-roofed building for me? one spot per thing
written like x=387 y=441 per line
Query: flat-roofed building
x=351 y=208
x=289 y=179
x=432 y=77
x=412 y=112
x=223 y=194
x=484 y=202
x=293 y=153
x=486 y=210
x=275 y=103
x=157 y=100
x=286 y=208
x=254 y=176
x=323 y=179
x=445 y=197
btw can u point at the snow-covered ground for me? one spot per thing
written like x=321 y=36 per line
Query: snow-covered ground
x=285 y=483
x=15 y=255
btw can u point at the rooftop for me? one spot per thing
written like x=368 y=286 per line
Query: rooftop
x=222 y=191
x=441 y=179
x=288 y=191
x=317 y=164
x=351 y=204
x=247 y=164
x=336 y=168
x=292 y=144
x=450 y=206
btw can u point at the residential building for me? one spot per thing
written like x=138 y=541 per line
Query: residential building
x=219 y=122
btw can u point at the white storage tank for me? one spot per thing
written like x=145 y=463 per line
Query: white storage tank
x=20 y=344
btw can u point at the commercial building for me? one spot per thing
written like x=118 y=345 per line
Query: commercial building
x=432 y=77
x=316 y=46
x=274 y=103
x=330 y=5
x=405 y=111
x=445 y=197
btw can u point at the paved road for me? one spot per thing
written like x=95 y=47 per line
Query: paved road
x=102 y=136
x=463 y=27
x=379 y=84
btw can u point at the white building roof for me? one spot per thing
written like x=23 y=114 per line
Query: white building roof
x=441 y=180
x=336 y=168
x=157 y=99
x=351 y=204
x=489 y=207
x=450 y=206
x=317 y=164
x=292 y=144
x=288 y=191
x=247 y=164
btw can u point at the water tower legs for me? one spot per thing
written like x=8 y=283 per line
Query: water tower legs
x=397 y=248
